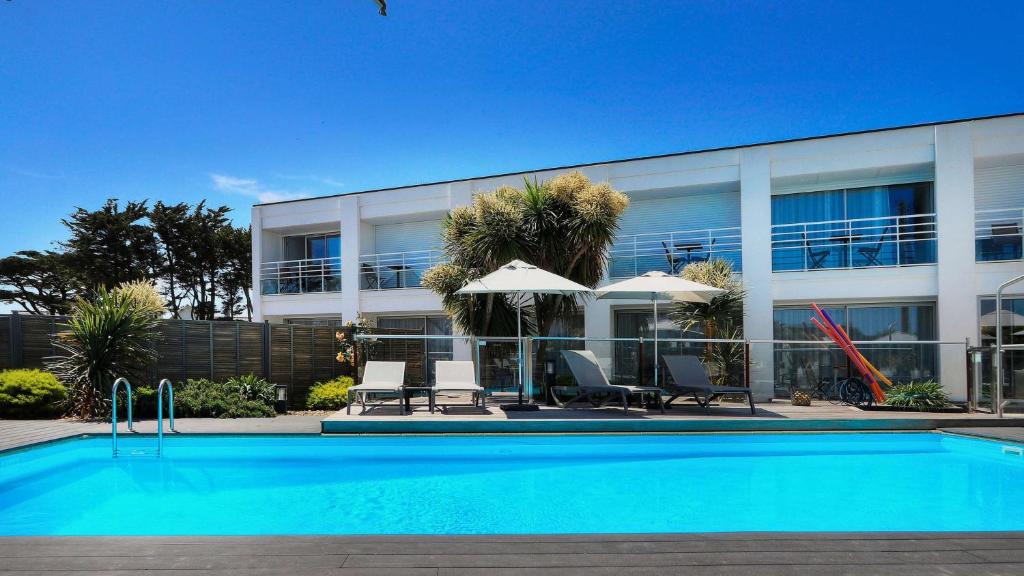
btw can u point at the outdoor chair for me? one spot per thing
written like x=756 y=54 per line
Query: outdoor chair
x=371 y=281
x=458 y=376
x=670 y=256
x=816 y=256
x=1006 y=241
x=378 y=378
x=871 y=253
x=592 y=381
x=690 y=377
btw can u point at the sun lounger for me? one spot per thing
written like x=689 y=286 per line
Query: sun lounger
x=690 y=377
x=592 y=380
x=458 y=376
x=378 y=378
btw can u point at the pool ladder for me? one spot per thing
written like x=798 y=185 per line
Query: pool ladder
x=159 y=412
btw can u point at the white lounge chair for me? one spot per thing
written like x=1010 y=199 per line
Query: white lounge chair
x=592 y=380
x=458 y=376
x=378 y=378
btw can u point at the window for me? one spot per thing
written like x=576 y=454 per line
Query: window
x=628 y=367
x=856 y=227
x=312 y=263
x=892 y=329
x=419 y=354
x=1013 y=333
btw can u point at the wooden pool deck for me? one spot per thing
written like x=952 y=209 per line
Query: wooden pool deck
x=746 y=554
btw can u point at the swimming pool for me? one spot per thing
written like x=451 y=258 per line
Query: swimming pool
x=512 y=484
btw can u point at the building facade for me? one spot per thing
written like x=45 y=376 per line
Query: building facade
x=902 y=234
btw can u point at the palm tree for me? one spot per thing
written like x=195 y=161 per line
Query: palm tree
x=722 y=315
x=564 y=225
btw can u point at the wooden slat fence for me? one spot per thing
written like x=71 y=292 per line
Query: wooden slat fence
x=295 y=355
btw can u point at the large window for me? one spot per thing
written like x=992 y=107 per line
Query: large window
x=628 y=367
x=419 y=354
x=310 y=263
x=891 y=330
x=1013 y=333
x=856 y=227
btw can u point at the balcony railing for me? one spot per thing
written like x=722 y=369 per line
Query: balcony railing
x=997 y=234
x=301 y=276
x=393 y=270
x=855 y=243
x=669 y=252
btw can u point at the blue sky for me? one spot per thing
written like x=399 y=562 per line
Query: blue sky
x=241 y=101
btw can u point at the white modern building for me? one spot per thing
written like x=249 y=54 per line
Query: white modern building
x=903 y=234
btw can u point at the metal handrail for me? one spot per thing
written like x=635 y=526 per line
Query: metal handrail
x=705 y=243
x=399 y=265
x=113 y=410
x=160 y=412
x=298 y=270
x=853 y=233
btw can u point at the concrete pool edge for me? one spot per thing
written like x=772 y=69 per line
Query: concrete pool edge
x=556 y=426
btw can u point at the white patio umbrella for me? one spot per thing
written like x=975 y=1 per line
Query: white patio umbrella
x=519 y=278
x=658 y=286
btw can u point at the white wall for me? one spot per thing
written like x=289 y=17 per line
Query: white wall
x=974 y=164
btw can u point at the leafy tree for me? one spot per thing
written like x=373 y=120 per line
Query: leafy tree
x=39 y=282
x=236 y=277
x=172 y=252
x=111 y=245
x=564 y=225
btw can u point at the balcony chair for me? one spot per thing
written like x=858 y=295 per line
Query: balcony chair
x=371 y=281
x=816 y=257
x=871 y=253
x=674 y=262
x=1006 y=241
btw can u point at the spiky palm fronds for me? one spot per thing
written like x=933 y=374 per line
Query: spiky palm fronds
x=564 y=225
x=105 y=338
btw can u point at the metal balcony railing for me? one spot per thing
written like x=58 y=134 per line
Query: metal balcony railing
x=301 y=276
x=997 y=234
x=669 y=252
x=393 y=270
x=855 y=243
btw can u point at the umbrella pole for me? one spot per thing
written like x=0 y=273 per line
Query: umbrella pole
x=654 y=299
x=519 y=344
x=520 y=406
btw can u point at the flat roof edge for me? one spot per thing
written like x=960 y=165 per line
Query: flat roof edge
x=652 y=157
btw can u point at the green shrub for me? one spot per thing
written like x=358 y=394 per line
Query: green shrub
x=206 y=399
x=31 y=394
x=917 y=395
x=330 y=395
x=143 y=403
x=252 y=387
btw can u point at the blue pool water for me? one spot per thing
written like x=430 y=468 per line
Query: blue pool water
x=512 y=484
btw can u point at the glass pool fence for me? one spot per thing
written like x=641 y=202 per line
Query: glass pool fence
x=776 y=367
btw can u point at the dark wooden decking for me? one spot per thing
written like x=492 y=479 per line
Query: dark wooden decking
x=757 y=554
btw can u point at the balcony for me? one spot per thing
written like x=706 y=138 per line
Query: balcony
x=670 y=252
x=396 y=270
x=312 y=275
x=855 y=243
x=997 y=234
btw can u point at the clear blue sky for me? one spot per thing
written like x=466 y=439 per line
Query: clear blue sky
x=236 y=101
